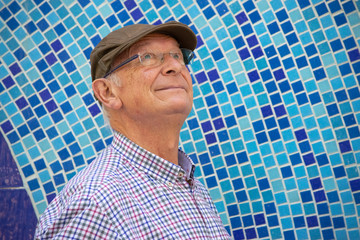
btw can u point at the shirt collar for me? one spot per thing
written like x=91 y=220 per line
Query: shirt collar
x=151 y=164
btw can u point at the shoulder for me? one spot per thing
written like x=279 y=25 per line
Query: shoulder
x=85 y=193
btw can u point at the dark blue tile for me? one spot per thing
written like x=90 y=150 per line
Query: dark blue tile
x=321 y=9
x=137 y=14
x=349 y=7
x=261 y=137
x=354 y=55
x=274 y=135
x=240 y=111
x=282 y=15
x=273 y=28
x=338 y=222
x=33 y=184
x=266 y=111
x=30 y=27
x=286 y=172
x=284 y=50
x=354 y=132
x=308 y=158
x=306 y=196
x=244 y=54
x=254 y=17
x=263 y=184
x=235 y=222
x=263 y=232
x=14 y=7
x=117 y=6
x=284 y=123
x=15 y=69
x=19 y=54
x=241 y=18
x=210 y=138
x=13 y=23
x=316 y=183
x=287 y=27
x=57 y=116
x=279 y=74
x=5 y=14
x=319 y=74
x=212 y=182
x=304 y=147
x=248 y=221
x=39 y=135
x=209 y=12
x=274 y=62
x=239 y=42
x=340 y=19
x=83 y=3
x=349 y=119
x=322 y=159
x=312 y=221
x=59 y=29
x=223 y=136
x=292 y=39
x=45 y=8
x=334 y=6
x=242 y=157
x=336 y=45
x=320 y=196
x=355 y=185
x=28 y=170
x=273 y=221
x=222 y=173
x=290 y=235
x=239 y=234
x=253 y=76
x=40 y=164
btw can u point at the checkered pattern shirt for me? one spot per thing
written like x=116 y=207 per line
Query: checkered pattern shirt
x=130 y=193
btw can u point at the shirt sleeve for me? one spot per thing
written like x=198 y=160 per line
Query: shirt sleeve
x=83 y=219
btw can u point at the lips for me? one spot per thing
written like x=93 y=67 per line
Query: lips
x=170 y=88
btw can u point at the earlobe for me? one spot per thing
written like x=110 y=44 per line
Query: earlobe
x=104 y=92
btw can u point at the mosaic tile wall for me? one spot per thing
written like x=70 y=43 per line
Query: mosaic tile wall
x=275 y=124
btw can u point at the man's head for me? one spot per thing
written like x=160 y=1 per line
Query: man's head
x=152 y=79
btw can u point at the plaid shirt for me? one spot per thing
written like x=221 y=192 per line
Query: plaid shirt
x=130 y=193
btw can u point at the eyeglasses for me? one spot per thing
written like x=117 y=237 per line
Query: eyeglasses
x=184 y=57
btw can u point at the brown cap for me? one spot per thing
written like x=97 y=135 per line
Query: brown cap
x=103 y=55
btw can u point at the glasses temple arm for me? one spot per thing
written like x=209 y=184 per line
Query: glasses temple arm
x=121 y=64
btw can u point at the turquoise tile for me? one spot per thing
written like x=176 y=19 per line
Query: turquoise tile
x=329 y=184
x=309 y=209
x=331 y=33
x=296 y=209
x=284 y=210
x=273 y=172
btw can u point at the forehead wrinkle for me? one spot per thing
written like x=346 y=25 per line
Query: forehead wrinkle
x=148 y=38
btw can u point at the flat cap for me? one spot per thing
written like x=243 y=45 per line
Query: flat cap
x=116 y=42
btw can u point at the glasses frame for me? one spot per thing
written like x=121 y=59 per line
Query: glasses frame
x=188 y=55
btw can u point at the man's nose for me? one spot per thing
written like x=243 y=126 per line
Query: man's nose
x=171 y=65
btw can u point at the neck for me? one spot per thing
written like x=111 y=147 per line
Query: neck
x=159 y=136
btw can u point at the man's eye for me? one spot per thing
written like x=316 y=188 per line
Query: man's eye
x=176 y=55
x=148 y=56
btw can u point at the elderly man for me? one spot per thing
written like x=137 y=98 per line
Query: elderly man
x=141 y=186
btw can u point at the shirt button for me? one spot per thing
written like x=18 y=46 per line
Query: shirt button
x=181 y=174
x=169 y=184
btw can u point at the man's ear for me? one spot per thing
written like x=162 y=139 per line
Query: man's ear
x=104 y=91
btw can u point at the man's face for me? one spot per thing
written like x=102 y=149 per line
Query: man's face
x=153 y=91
